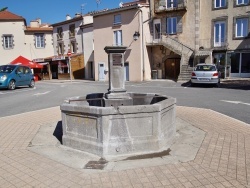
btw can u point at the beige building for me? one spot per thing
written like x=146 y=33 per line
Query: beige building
x=118 y=27
x=19 y=39
x=224 y=27
x=172 y=38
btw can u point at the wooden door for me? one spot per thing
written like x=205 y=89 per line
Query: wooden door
x=172 y=68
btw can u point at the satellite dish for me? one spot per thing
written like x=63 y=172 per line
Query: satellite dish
x=121 y=4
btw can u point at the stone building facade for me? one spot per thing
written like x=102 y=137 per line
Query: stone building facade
x=184 y=33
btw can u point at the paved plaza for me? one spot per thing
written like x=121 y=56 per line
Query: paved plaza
x=222 y=159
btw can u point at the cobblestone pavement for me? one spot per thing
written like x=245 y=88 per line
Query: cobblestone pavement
x=223 y=159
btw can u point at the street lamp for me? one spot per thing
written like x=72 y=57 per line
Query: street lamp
x=136 y=35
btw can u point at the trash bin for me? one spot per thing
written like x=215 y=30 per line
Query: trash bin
x=154 y=74
x=159 y=74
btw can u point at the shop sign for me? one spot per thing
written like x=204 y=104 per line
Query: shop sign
x=56 y=58
x=38 y=60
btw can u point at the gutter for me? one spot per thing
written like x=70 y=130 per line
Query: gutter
x=142 y=34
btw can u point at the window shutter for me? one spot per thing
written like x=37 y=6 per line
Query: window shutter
x=163 y=25
x=234 y=28
x=213 y=1
x=212 y=33
x=248 y=29
x=179 y=24
x=151 y=26
x=169 y=4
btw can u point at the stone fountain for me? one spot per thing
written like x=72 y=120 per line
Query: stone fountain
x=118 y=123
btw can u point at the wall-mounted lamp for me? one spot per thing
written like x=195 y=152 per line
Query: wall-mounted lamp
x=136 y=35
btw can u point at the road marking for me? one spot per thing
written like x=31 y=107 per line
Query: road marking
x=42 y=93
x=236 y=102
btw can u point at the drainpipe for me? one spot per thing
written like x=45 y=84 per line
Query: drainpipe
x=142 y=44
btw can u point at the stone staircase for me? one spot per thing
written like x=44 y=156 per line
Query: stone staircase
x=185 y=52
x=176 y=46
x=185 y=73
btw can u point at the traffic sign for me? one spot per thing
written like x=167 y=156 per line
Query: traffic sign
x=69 y=53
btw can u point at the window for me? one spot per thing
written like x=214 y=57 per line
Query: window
x=27 y=70
x=219 y=33
x=20 y=70
x=219 y=3
x=39 y=40
x=241 y=28
x=72 y=30
x=171 y=3
x=73 y=46
x=172 y=25
x=242 y=2
x=59 y=33
x=118 y=38
x=60 y=48
x=117 y=19
x=8 y=41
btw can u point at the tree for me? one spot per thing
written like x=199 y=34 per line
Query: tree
x=3 y=9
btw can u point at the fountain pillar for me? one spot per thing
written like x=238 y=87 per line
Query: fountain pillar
x=117 y=95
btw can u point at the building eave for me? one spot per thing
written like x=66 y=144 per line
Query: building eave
x=72 y=20
x=110 y=11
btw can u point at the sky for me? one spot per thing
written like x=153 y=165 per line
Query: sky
x=54 y=11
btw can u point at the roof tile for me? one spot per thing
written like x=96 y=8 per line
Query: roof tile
x=6 y=15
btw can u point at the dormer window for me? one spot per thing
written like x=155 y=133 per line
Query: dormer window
x=117 y=19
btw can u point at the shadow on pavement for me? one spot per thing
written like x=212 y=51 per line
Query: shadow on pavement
x=227 y=84
x=236 y=84
x=58 y=132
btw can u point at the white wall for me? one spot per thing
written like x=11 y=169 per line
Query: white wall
x=17 y=30
x=24 y=43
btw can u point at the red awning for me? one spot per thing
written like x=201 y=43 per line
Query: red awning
x=23 y=61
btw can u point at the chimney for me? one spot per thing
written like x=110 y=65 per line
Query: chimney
x=68 y=17
x=39 y=21
x=77 y=14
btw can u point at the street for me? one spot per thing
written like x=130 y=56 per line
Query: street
x=231 y=101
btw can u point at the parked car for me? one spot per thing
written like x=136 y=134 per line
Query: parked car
x=205 y=74
x=12 y=76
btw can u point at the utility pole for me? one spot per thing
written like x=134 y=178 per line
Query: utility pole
x=98 y=2
x=82 y=8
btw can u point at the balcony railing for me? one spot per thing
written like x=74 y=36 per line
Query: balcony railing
x=166 y=6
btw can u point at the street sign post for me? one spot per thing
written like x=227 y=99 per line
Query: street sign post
x=70 y=71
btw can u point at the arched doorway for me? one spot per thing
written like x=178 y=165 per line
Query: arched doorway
x=172 y=68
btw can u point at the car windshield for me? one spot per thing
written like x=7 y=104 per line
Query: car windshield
x=205 y=68
x=6 y=69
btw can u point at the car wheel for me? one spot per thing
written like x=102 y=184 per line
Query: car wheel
x=217 y=85
x=32 y=84
x=12 y=85
x=192 y=84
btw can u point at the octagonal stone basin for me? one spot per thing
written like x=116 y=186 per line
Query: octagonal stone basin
x=142 y=123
